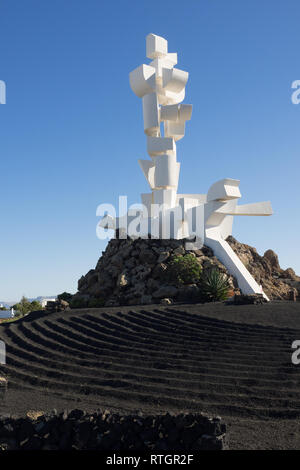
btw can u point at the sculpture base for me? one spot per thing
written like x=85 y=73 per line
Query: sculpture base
x=129 y=272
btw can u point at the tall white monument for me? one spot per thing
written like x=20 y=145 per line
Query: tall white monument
x=165 y=213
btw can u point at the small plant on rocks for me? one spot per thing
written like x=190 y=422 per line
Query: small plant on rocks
x=214 y=285
x=183 y=270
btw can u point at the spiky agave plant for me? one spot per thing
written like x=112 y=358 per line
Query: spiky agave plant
x=214 y=285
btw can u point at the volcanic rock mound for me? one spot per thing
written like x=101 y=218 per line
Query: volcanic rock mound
x=278 y=284
x=131 y=272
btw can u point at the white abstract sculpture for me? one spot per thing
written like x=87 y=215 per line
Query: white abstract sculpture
x=162 y=89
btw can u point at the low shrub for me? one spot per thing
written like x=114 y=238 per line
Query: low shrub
x=183 y=270
x=25 y=306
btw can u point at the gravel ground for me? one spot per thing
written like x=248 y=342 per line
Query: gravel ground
x=234 y=361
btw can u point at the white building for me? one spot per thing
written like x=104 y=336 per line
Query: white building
x=43 y=302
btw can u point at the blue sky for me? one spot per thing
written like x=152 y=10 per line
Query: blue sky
x=71 y=131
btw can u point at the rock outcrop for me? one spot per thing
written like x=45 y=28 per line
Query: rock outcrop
x=131 y=272
x=58 y=305
x=3 y=387
x=277 y=283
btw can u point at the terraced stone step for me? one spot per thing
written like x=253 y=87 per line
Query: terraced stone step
x=201 y=384
x=285 y=367
x=224 y=409
x=38 y=375
x=78 y=340
x=109 y=369
x=87 y=328
x=246 y=361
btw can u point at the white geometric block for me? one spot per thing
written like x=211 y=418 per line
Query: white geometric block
x=156 y=46
x=187 y=202
x=198 y=198
x=214 y=215
x=228 y=257
x=169 y=112
x=168 y=61
x=177 y=171
x=225 y=227
x=142 y=80
x=166 y=174
x=172 y=57
x=151 y=114
x=224 y=190
x=174 y=80
x=178 y=113
x=170 y=97
x=174 y=129
x=185 y=112
x=254 y=209
x=160 y=145
x=148 y=168
x=167 y=197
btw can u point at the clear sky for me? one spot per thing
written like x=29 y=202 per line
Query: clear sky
x=71 y=131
